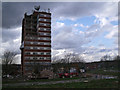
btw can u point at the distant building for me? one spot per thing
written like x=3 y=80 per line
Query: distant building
x=36 y=40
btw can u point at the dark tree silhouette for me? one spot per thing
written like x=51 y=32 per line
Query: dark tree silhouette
x=8 y=59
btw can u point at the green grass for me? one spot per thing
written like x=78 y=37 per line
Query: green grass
x=37 y=80
x=104 y=72
x=91 y=84
x=111 y=83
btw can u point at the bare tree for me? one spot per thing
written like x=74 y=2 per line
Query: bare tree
x=79 y=60
x=66 y=61
x=106 y=58
x=57 y=63
x=68 y=58
x=117 y=57
x=56 y=59
x=8 y=59
x=76 y=58
x=72 y=58
x=35 y=68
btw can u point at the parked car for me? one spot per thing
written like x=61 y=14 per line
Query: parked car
x=67 y=75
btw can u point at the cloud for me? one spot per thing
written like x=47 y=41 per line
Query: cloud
x=13 y=12
x=71 y=11
x=95 y=53
x=17 y=59
x=11 y=34
x=93 y=31
x=113 y=33
x=80 y=25
x=76 y=10
x=78 y=40
x=64 y=37
x=11 y=39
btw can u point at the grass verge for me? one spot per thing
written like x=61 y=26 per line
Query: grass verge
x=37 y=80
x=104 y=83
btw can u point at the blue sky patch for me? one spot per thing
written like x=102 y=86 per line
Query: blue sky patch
x=88 y=20
x=114 y=22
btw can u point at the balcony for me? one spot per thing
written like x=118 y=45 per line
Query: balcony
x=38 y=53
x=41 y=63
x=44 y=15
x=37 y=58
x=44 y=34
x=44 y=29
x=44 y=20
x=37 y=48
x=44 y=24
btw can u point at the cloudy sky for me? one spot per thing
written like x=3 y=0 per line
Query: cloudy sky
x=89 y=29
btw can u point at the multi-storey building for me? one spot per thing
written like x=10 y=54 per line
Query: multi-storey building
x=36 y=40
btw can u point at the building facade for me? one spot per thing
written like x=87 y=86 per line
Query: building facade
x=36 y=41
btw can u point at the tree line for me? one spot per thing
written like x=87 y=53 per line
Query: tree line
x=8 y=59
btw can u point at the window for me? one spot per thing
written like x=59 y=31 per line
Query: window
x=39 y=19
x=38 y=38
x=35 y=43
x=48 y=29
x=31 y=47
x=47 y=34
x=35 y=47
x=48 y=20
x=41 y=58
x=41 y=43
x=41 y=33
x=34 y=53
x=41 y=48
x=35 y=58
x=27 y=42
x=44 y=19
x=41 y=24
x=45 y=15
x=27 y=58
x=45 y=24
x=31 y=42
x=48 y=58
x=42 y=53
x=47 y=53
x=31 y=52
x=48 y=24
x=27 y=63
x=27 y=53
x=27 y=47
x=46 y=43
x=31 y=58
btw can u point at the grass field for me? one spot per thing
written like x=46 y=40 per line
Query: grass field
x=37 y=80
x=104 y=72
x=111 y=83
